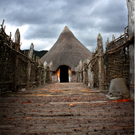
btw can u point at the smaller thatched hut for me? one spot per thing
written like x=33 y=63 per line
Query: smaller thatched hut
x=65 y=55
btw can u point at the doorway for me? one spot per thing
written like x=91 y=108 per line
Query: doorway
x=64 y=74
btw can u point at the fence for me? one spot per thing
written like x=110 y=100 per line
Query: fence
x=16 y=69
x=101 y=68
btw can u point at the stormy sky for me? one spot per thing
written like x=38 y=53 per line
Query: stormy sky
x=41 y=21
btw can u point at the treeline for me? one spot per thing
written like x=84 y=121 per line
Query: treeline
x=35 y=53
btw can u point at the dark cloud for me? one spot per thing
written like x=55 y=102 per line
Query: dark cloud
x=42 y=31
x=47 y=18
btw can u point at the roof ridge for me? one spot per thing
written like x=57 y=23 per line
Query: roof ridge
x=66 y=29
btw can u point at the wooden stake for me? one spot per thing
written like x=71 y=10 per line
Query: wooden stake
x=2 y=23
x=30 y=54
x=4 y=28
x=10 y=35
x=16 y=69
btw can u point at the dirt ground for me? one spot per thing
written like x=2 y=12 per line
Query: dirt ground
x=65 y=109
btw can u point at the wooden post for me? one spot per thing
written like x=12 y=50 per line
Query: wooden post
x=45 y=73
x=42 y=74
x=82 y=76
x=76 y=72
x=50 y=71
x=107 y=40
x=37 y=58
x=113 y=38
x=84 y=73
x=30 y=53
x=81 y=70
x=16 y=61
x=2 y=23
x=100 y=62
x=10 y=35
x=124 y=34
x=38 y=74
x=4 y=28
x=89 y=76
x=48 y=74
x=34 y=57
x=78 y=76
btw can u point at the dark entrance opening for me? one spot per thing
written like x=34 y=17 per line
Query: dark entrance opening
x=64 y=74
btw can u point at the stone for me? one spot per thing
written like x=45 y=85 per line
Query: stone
x=23 y=89
x=118 y=89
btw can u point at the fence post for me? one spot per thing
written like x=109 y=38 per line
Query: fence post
x=90 y=77
x=2 y=23
x=84 y=72
x=30 y=54
x=38 y=73
x=80 y=75
x=50 y=71
x=81 y=71
x=16 y=61
x=100 y=62
x=77 y=74
x=45 y=73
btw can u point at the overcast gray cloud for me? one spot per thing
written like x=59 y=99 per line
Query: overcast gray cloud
x=46 y=19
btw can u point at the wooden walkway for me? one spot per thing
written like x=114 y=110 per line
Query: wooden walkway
x=65 y=109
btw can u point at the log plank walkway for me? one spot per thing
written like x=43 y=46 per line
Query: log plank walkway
x=65 y=109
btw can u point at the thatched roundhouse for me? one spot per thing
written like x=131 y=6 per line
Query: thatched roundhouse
x=65 y=55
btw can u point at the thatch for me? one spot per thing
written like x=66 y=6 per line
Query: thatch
x=66 y=51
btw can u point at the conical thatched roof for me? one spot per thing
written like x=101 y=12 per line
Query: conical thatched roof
x=66 y=51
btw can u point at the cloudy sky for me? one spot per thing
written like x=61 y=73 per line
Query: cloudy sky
x=41 y=21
